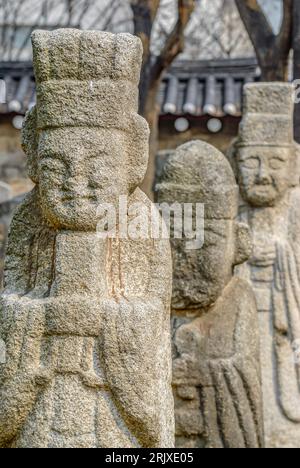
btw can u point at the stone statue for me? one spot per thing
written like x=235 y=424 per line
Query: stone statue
x=85 y=319
x=216 y=370
x=265 y=158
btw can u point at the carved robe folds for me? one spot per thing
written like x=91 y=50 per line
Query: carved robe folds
x=216 y=380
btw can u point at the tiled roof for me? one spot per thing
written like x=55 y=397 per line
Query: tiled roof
x=189 y=88
x=206 y=88
x=20 y=87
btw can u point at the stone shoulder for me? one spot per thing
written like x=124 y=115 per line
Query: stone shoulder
x=247 y=331
x=243 y=292
x=294 y=200
x=294 y=214
x=29 y=211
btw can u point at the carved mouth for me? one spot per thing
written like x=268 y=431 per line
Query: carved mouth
x=77 y=198
x=263 y=188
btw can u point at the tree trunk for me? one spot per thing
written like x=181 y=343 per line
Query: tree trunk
x=296 y=46
x=272 y=50
x=274 y=69
x=144 y=12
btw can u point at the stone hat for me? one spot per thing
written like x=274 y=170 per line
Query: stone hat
x=86 y=78
x=268 y=115
x=199 y=173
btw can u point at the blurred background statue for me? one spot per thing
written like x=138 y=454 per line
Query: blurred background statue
x=216 y=365
x=266 y=159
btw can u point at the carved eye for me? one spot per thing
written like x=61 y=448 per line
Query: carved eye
x=276 y=163
x=250 y=163
x=52 y=171
x=52 y=165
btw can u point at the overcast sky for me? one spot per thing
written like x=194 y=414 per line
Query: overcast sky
x=273 y=10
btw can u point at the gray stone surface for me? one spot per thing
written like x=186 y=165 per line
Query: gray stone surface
x=85 y=320
x=266 y=161
x=216 y=369
x=6 y=213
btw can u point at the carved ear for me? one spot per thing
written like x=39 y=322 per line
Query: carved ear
x=231 y=155
x=243 y=243
x=30 y=142
x=138 y=150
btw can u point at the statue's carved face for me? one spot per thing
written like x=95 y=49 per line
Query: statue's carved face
x=209 y=269
x=264 y=174
x=80 y=168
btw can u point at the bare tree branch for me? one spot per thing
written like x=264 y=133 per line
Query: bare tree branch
x=114 y=5
x=85 y=9
x=24 y=43
x=14 y=26
x=285 y=36
x=258 y=27
x=175 y=41
x=272 y=50
x=144 y=13
x=151 y=5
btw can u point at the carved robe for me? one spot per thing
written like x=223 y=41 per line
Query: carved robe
x=85 y=322
x=216 y=373
x=276 y=282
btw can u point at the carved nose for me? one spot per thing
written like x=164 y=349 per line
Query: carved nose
x=264 y=176
x=71 y=184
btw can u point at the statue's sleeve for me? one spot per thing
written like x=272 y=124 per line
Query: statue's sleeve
x=137 y=362
x=237 y=382
x=238 y=403
x=136 y=343
x=220 y=357
x=286 y=306
x=21 y=326
x=24 y=231
x=294 y=226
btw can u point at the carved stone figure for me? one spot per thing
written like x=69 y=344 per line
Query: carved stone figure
x=265 y=158
x=85 y=319
x=216 y=370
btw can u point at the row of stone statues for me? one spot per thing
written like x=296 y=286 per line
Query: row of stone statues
x=85 y=319
x=216 y=321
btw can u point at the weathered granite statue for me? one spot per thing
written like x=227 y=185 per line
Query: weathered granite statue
x=216 y=370
x=85 y=320
x=265 y=157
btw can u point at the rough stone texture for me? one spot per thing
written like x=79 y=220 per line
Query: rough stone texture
x=216 y=370
x=265 y=158
x=14 y=181
x=85 y=320
x=12 y=161
x=6 y=213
